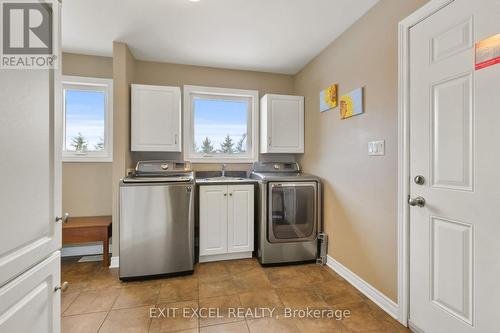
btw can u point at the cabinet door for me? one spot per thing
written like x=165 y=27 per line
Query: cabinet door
x=29 y=303
x=213 y=220
x=155 y=120
x=240 y=218
x=30 y=146
x=285 y=124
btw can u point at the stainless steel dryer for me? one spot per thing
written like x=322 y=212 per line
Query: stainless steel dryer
x=289 y=213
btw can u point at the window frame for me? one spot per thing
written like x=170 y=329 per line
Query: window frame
x=90 y=84
x=252 y=154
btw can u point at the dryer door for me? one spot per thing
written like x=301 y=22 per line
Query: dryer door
x=293 y=211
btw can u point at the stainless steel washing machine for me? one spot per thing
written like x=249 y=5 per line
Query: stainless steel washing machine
x=289 y=213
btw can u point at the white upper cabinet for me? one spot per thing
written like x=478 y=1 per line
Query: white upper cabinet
x=282 y=124
x=156 y=118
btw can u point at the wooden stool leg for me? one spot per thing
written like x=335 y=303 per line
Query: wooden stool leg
x=105 y=250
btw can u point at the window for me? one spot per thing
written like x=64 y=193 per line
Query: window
x=88 y=119
x=220 y=125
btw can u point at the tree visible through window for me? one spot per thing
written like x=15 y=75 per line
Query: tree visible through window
x=85 y=118
x=220 y=126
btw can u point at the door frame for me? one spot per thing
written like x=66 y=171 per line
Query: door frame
x=404 y=151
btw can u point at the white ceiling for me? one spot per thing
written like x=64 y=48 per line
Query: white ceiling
x=279 y=36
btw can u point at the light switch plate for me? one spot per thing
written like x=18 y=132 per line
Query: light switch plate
x=376 y=148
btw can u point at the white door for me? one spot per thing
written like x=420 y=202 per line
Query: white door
x=155 y=119
x=454 y=135
x=240 y=218
x=213 y=219
x=30 y=150
x=30 y=303
x=284 y=115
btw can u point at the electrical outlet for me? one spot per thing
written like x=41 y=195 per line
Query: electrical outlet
x=376 y=148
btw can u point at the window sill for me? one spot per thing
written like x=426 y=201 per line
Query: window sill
x=218 y=160
x=87 y=159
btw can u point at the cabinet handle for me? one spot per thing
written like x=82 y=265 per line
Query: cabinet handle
x=269 y=141
x=230 y=194
x=63 y=219
x=175 y=138
x=225 y=194
x=63 y=287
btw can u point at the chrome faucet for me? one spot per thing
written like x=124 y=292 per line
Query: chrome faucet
x=223 y=170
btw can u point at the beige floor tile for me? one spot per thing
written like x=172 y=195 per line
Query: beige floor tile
x=212 y=270
x=133 y=296
x=237 y=327
x=316 y=273
x=287 y=277
x=266 y=298
x=220 y=287
x=67 y=298
x=272 y=325
x=319 y=325
x=253 y=279
x=229 y=284
x=177 y=316
x=178 y=289
x=76 y=281
x=223 y=304
x=362 y=319
x=340 y=295
x=301 y=299
x=132 y=320
x=242 y=265
x=92 y=301
x=105 y=279
x=85 y=323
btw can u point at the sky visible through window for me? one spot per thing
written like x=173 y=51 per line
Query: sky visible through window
x=85 y=120
x=215 y=120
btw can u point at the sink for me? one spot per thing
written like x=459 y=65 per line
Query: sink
x=224 y=178
x=205 y=177
x=221 y=179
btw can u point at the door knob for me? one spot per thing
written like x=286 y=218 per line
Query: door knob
x=63 y=287
x=64 y=219
x=419 y=180
x=418 y=201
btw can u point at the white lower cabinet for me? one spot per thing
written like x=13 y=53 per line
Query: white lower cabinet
x=226 y=222
x=30 y=303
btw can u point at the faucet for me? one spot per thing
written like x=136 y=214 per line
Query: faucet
x=223 y=170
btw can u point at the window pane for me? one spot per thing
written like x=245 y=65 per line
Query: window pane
x=85 y=120
x=220 y=126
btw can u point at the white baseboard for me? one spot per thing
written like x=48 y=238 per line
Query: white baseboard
x=115 y=262
x=367 y=289
x=226 y=256
x=82 y=250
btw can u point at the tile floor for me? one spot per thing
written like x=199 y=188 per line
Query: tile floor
x=97 y=301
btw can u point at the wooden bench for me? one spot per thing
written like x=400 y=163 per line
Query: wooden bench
x=89 y=229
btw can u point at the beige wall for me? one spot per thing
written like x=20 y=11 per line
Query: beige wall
x=123 y=74
x=360 y=212
x=87 y=186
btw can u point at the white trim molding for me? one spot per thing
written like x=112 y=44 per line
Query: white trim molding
x=384 y=302
x=404 y=152
x=115 y=262
x=90 y=84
